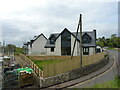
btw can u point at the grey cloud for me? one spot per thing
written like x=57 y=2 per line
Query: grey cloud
x=58 y=15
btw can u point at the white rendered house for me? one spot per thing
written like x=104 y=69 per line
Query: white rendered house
x=62 y=43
x=36 y=46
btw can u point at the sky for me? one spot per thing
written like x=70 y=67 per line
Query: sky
x=21 y=20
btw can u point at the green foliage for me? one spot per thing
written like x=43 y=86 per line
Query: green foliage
x=117 y=81
x=113 y=41
x=113 y=35
x=18 y=50
x=109 y=84
x=11 y=49
x=8 y=49
x=110 y=44
x=113 y=48
x=100 y=43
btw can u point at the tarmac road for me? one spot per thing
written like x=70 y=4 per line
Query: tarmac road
x=106 y=76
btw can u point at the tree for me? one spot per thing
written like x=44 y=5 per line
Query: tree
x=113 y=41
x=113 y=35
x=101 y=42
x=107 y=41
x=9 y=49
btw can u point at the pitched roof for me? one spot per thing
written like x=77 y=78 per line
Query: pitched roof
x=65 y=29
x=55 y=34
x=32 y=41
x=90 y=33
x=48 y=45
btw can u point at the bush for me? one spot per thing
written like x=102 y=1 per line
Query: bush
x=117 y=81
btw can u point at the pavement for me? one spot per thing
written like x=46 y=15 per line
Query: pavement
x=83 y=79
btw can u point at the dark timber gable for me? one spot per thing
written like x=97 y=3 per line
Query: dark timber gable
x=65 y=42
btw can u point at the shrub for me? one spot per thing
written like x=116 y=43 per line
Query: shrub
x=117 y=81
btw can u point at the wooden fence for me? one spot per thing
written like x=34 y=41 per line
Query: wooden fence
x=36 y=69
x=68 y=65
x=61 y=67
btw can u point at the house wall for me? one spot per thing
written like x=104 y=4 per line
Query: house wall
x=58 y=46
x=57 y=49
x=48 y=50
x=91 y=50
x=38 y=45
x=29 y=50
x=76 y=50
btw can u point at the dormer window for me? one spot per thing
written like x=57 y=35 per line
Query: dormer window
x=52 y=39
x=52 y=42
x=86 y=38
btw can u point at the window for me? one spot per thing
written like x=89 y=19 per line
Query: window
x=52 y=42
x=52 y=49
x=85 y=50
x=98 y=50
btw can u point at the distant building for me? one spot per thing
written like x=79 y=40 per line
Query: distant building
x=99 y=49
x=62 y=43
x=36 y=46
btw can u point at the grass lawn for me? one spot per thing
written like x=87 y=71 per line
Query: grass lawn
x=109 y=84
x=41 y=61
x=40 y=64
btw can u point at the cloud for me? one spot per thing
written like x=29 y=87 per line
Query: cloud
x=22 y=20
x=1 y=32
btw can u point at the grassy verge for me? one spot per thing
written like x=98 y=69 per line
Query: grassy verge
x=110 y=48
x=40 y=64
x=109 y=84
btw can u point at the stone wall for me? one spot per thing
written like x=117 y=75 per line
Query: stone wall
x=77 y=73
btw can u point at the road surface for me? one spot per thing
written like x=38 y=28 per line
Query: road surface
x=106 y=76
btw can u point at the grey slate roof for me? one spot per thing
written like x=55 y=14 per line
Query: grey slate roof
x=90 y=33
x=55 y=34
x=48 y=45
